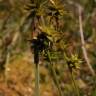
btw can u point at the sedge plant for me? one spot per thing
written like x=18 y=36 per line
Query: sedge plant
x=38 y=45
x=73 y=63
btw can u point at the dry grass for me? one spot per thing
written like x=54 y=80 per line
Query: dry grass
x=21 y=79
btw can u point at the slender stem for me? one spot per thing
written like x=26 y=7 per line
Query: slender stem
x=54 y=75
x=83 y=42
x=76 y=89
x=6 y=66
x=37 y=93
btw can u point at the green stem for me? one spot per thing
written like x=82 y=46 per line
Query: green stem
x=74 y=83
x=54 y=76
x=37 y=93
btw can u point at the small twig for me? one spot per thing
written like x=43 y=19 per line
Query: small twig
x=83 y=42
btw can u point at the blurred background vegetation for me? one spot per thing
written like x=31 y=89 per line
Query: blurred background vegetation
x=22 y=20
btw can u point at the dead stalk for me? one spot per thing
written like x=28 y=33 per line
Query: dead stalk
x=83 y=42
